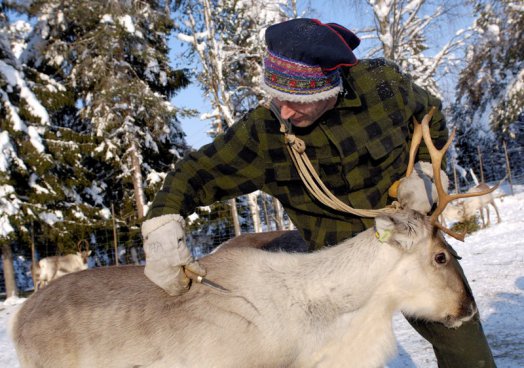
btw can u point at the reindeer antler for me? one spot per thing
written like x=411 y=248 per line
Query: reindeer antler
x=436 y=161
x=416 y=139
x=80 y=242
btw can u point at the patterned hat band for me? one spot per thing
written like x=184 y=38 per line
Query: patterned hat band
x=292 y=81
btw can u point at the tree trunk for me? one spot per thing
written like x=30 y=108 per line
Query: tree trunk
x=266 y=213
x=234 y=216
x=9 y=271
x=137 y=182
x=253 y=208
x=279 y=214
x=134 y=255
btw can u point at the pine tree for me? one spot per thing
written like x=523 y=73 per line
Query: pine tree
x=489 y=89
x=22 y=152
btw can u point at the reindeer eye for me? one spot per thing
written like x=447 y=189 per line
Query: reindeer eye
x=440 y=258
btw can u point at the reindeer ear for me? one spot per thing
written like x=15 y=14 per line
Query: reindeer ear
x=401 y=230
x=384 y=227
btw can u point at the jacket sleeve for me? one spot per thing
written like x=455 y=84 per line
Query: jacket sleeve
x=230 y=166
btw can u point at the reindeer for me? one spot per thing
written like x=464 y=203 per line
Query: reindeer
x=331 y=308
x=471 y=205
x=51 y=268
x=467 y=208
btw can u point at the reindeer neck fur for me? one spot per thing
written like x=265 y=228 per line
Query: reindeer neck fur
x=334 y=295
x=333 y=277
x=324 y=285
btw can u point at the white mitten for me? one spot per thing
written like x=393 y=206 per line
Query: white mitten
x=167 y=253
x=417 y=191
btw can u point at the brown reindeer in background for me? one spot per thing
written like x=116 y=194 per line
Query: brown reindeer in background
x=51 y=268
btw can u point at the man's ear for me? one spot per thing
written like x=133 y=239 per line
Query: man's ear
x=402 y=230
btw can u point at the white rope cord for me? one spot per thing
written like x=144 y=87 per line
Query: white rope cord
x=316 y=187
x=297 y=150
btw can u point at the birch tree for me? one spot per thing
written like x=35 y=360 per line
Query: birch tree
x=225 y=37
x=401 y=28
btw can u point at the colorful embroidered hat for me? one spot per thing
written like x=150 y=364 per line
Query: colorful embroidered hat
x=303 y=57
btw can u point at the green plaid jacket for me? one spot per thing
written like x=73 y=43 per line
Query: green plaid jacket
x=359 y=149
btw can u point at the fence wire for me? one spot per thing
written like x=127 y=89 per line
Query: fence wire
x=207 y=230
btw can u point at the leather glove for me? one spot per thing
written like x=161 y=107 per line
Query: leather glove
x=167 y=254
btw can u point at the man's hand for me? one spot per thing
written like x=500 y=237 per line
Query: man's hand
x=167 y=253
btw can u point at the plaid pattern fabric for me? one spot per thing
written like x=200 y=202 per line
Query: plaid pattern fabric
x=359 y=149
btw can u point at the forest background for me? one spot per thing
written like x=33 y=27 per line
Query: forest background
x=99 y=100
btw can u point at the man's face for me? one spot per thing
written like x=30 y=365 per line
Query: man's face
x=303 y=115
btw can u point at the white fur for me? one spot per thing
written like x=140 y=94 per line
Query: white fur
x=474 y=204
x=469 y=206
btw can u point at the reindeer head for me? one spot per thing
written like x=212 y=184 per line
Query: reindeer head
x=83 y=254
x=430 y=277
x=447 y=298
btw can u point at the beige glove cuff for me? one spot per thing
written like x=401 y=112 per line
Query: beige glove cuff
x=155 y=223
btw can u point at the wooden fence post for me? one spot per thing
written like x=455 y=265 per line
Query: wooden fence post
x=114 y=235
x=455 y=175
x=480 y=162
x=508 y=167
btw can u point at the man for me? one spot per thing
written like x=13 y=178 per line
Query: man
x=355 y=119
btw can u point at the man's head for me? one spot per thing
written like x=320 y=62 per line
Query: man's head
x=304 y=114
x=301 y=68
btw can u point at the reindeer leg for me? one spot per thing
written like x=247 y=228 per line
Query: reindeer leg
x=482 y=217
x=496 y=211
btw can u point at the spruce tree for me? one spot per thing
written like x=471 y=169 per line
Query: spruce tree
x=490 y=110
x=112 y=58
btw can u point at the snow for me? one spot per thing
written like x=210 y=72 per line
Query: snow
x=493 y=260
x=107 y=19
x=51 y=218
x=15 y=78
x=9 y=205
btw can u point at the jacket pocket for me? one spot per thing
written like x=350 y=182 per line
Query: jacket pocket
x=380 y=148
x=288 y=186
x=378 y=161
x=292 y=190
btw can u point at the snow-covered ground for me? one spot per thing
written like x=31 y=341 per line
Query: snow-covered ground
x=493 y=260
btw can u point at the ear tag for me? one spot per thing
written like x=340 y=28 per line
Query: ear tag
x=386 y=234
